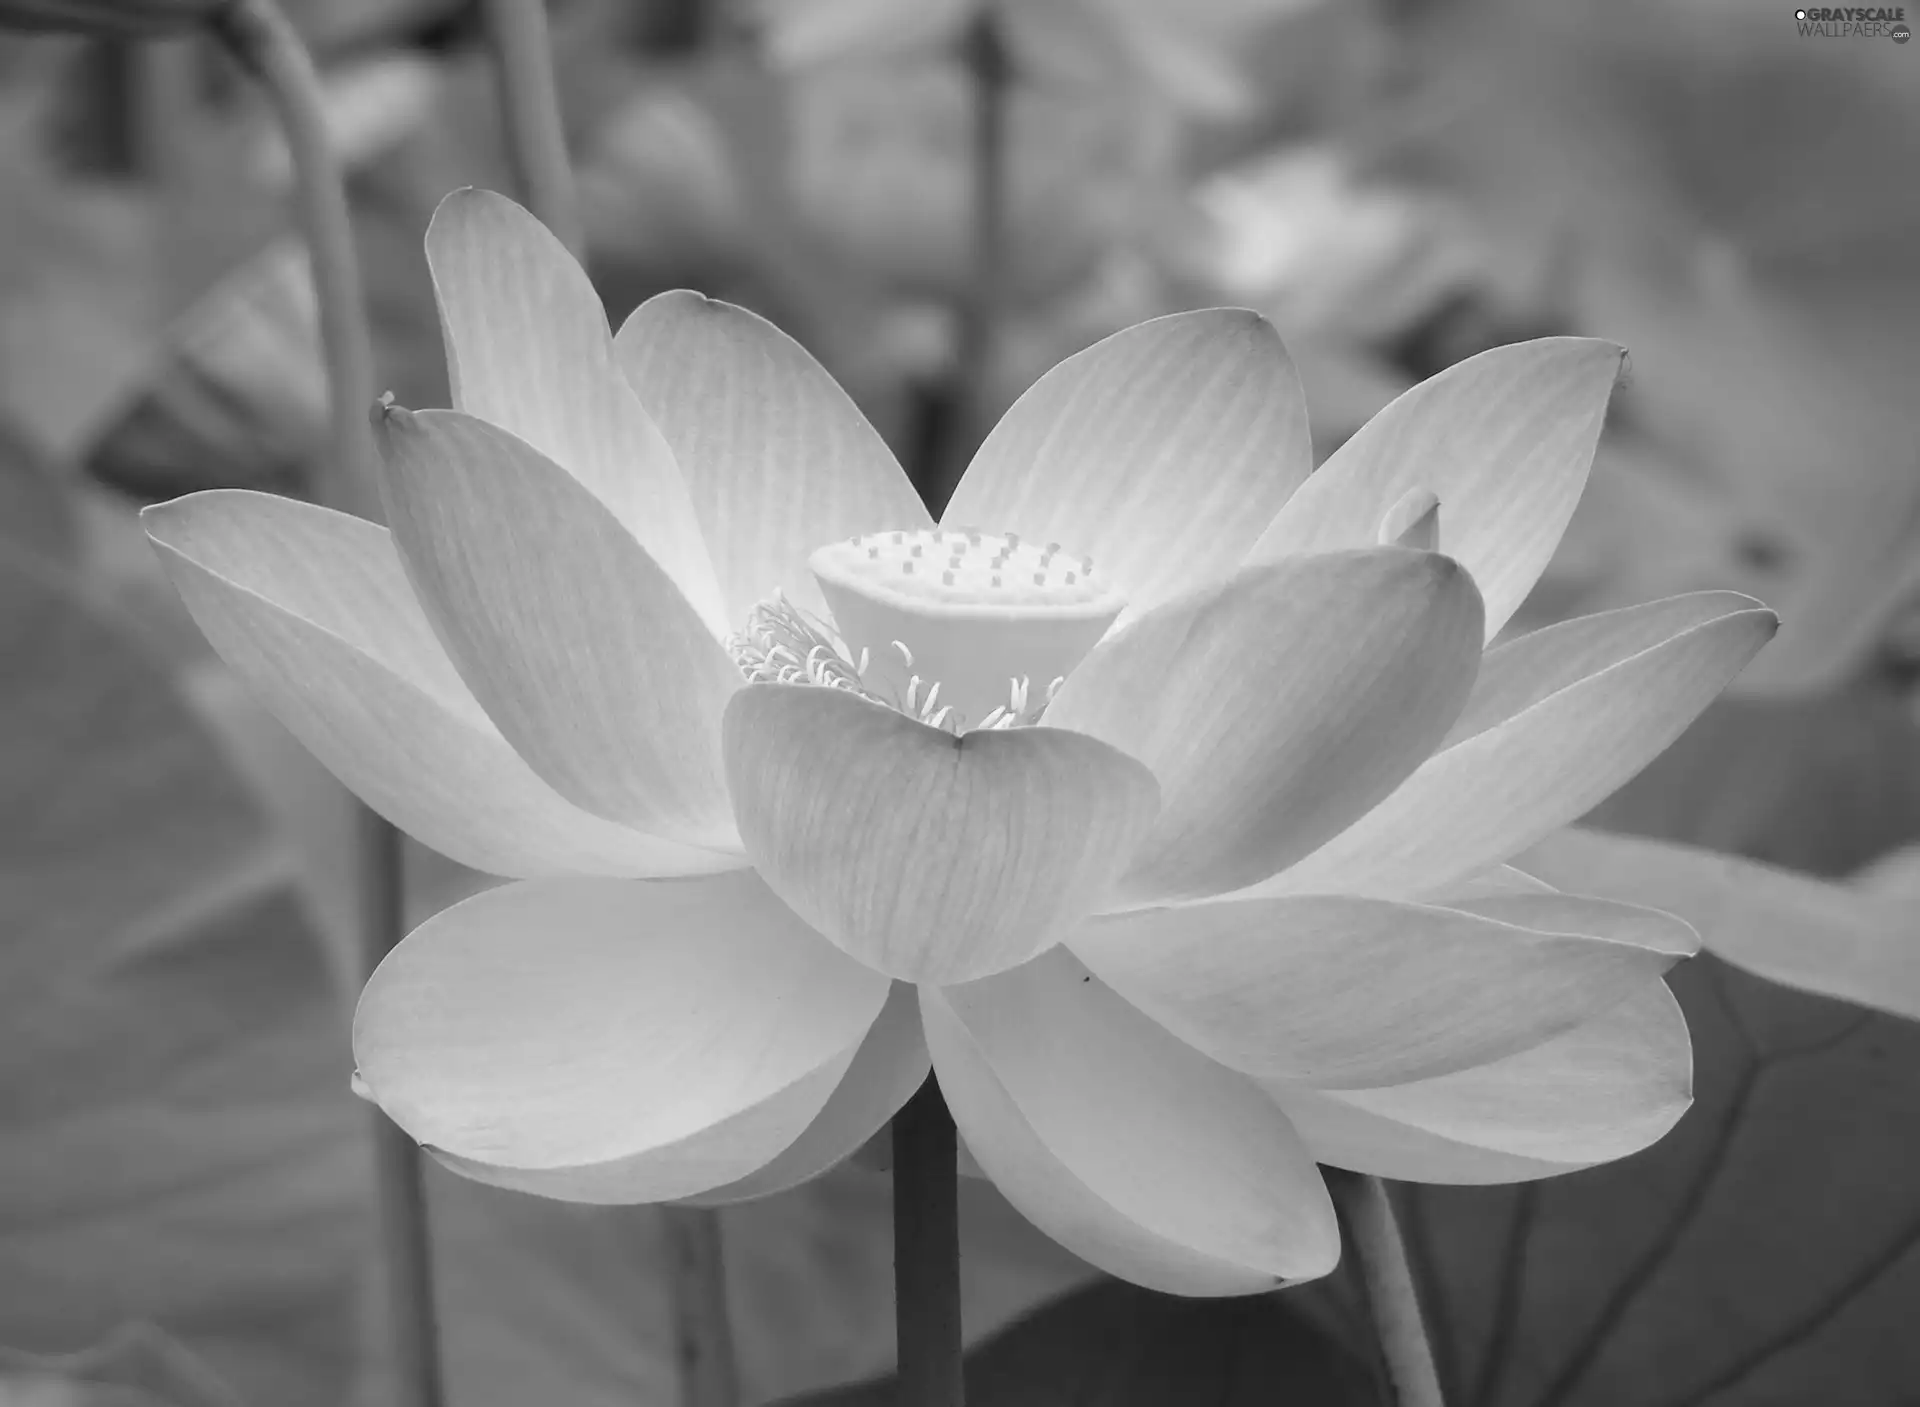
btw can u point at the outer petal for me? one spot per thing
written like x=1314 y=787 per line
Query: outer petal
x=1277 y=707
x=930 y=857
x=1503 y=439
x=612 y=1040
x=1534 y=667
x=1489 y=796
x=1130 y=1149
x=1603 y=1090
x=312 y=610
x=578 y=645
x=1345 y=992
x=1847 y=940
x=1159 y=452
x=891 y=1064
x=672 y=1171
x=777 y=458
x=528 y=350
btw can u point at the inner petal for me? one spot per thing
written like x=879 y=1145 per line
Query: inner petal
x=988 y=620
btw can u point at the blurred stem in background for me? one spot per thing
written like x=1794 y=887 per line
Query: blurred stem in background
x=989 y=73
x=536 y=140
x=263 y=39
x=530 y=106
x=1366 y=1214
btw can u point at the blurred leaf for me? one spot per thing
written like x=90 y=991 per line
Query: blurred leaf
x=135 y=1367
x=1114 y=1345
x=548 y=1302
x=1764 y=1254
x=1856 y=942
x=178 y=1145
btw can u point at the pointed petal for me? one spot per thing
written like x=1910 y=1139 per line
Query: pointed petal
x=637 y=1041
x=1504 y=440
x=891 y=1064
x=927 y=856
x=776 y=457
x=1845 y=940
x=1487 y=797
x=1607 y=1088
x=1522 y=672
x=528 y=350
x=312 y=610
x=1344 y=992
x=1277 y=707
x=580 y=648
x=1132 y=1150
x=1159 y=452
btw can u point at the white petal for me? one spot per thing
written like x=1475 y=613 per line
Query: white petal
x=1605 y=1089
x=1159 y=452
x=1504 y=441
x=891 y=1064
x=313 y=611
x=1129 y=1148
x=581 y=649
x=1352 y=992
x=1487 y=797
x=927 y=856
x=612 y=1040
x=776 y=457
x=528 y=349
x=1276 y=707
x=1839 y=940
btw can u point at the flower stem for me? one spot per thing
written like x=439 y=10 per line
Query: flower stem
x=702 y=1333
x=536 y=140
x=1388 y=1278
x=926 y=1251
x=265 y=42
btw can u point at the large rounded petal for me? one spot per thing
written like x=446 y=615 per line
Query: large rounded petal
x=1275 y=708
x=612 y=1040
x=1348 y=992
x=1504 y=440
x=312 y=609
x=1130 y=1149
x=581 y=649
x=931 y=857
x=528 y=350
x=1159 y=452
x=891 y=1064
x=1603 y=1090
x=777 y=458
x=1484 y=798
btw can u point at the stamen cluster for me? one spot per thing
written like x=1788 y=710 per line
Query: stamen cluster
x=784 y=644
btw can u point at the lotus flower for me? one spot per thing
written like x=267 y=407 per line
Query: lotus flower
x=1158 y=796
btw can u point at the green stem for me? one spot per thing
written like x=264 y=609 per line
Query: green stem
x=926 y=1252
x=1388 y=1278
x=265 y=42
x=536 y=139
x=702 y=1331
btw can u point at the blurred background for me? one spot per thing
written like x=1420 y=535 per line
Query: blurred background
x=185 y=1196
